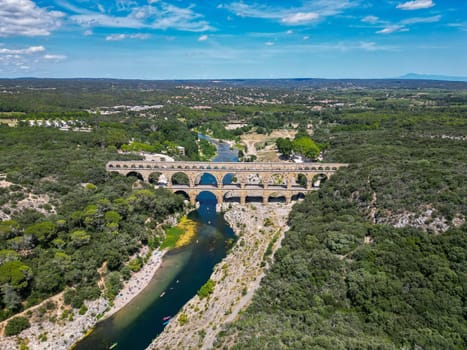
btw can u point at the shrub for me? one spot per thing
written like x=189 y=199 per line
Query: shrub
x=16 y=325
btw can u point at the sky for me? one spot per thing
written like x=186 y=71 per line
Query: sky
x=222 y=39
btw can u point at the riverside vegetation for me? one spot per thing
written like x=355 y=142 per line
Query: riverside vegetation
x=375 y=259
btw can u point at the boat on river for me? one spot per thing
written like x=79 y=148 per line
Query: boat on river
x=166 y=318
x=165 y=323
x=113 y=346
x=162 y=294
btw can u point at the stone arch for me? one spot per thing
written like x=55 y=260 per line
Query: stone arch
x=208 y=197
x=301 y=180
x=206 y=179
x=135 y=174
x=231 y=197
x=180 y=178
x=275 y=197
x=184 y=194
x=298 y=196
x=254 y=198
x=231 y=179
x=111 y=166
x=278 y=179
x=157 y=178
x=318 y=180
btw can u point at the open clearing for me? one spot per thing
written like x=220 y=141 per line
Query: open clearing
x=263 y=145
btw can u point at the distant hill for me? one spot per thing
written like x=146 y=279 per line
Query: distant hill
x=409 y=81
x=432 y=77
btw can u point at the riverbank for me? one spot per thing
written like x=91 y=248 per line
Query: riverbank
x=260 y=230
x=63 y=326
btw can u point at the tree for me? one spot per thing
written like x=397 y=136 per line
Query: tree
x=79 y=238
x=284 y=146
x=305 y=146
x=43 y=231
x=16 y=274
x=10 y=297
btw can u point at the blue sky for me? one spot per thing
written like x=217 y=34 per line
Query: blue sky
x=158 y=39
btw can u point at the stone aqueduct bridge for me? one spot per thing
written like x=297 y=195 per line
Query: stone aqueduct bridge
x=269 y=181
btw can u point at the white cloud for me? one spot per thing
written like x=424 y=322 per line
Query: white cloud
x=15 y=58
x=203 y=38
x=369 y=46
x=269 y=43
x=306 y=37
x=88 y=32
x=308 y=12
x=370 y=19
x=289 y=32
x=300 y=18
x=392 y=29
x=414 y=20
x=156 y=15
x=115 y=37
x=24 y=17
x=118 y=37
x=27 y=51
x=416 y=5
x=54 y=57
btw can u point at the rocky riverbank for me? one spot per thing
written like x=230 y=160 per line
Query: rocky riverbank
x=260 y=230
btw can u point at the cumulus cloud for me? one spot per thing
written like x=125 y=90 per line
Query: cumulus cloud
x=416 y=5
x=269 y=43
x=203 y=38
x=118 y=37
x=392 y=29
x=25 y=18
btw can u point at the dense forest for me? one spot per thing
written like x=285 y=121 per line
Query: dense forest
x=377 y=259
x=91 y=218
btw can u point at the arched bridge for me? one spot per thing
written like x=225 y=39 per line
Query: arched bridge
x=231 y=181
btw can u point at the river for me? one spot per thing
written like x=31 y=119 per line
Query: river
x=182 y=273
